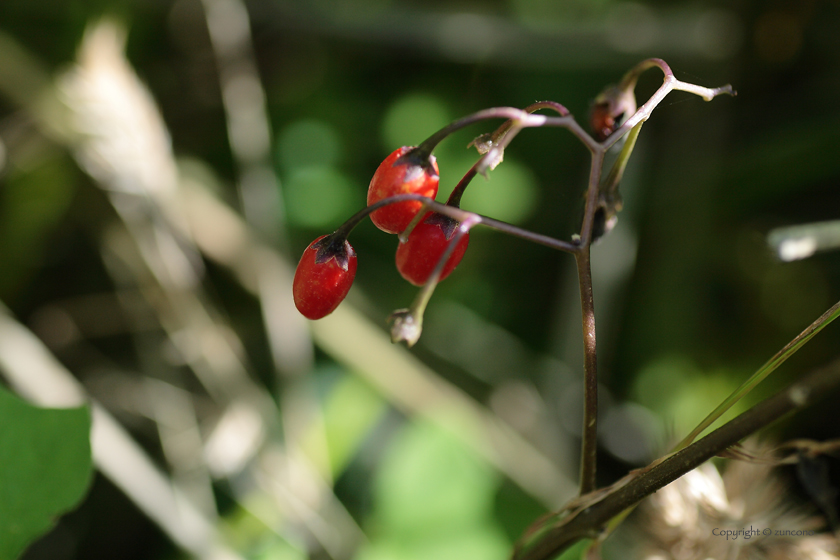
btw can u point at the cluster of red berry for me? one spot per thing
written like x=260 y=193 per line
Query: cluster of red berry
x=328 y=265
x=434 y=236
x=399 y=199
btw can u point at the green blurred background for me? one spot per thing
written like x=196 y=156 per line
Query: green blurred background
x=363 y=450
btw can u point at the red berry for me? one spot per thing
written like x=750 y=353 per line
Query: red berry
x=418 y=256
x=602 y=121
x=324 y=276
x=402 y=172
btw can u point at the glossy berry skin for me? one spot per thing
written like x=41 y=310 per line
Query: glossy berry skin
x=402 y=172
x=418 y=256
x=324 y=276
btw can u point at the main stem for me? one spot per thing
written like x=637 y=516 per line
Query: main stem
x=589 y=443
x=589 y=436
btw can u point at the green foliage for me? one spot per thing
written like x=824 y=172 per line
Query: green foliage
x=45 y=468
x=433 y=499
x=350 y=412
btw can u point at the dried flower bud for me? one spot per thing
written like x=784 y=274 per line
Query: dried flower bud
x=405 y=327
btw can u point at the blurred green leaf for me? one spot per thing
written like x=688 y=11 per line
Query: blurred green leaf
x=430 y=484
x=481 y=542
x=251 y=529
x=32 y=200
x=279 y=550
x=577 y=551
x=45 y=468
x=682 y=393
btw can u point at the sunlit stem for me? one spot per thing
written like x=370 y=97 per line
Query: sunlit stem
x=528 y=120
x=521 y=118
x=553 y=105
x=496 y=153
x=669 y=83
x=706 y=93
x=628 y=81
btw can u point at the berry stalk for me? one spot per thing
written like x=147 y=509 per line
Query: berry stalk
x=407 y=324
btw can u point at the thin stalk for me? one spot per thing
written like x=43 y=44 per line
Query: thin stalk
x=451 y=211
x=504 y=227
x=461 y=216
x=778 y=359
x=458 y=191
x=553 y=105
x=669 y=83
x=428 y=145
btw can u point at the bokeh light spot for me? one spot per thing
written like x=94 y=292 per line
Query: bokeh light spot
x=308 y=143
x=319 y=197
x=412 y=118
x=510 y=193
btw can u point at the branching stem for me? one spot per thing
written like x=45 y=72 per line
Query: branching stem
x=492 y=147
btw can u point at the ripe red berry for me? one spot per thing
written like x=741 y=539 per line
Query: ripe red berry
x=402 y=172
x=418 y=256
x=324 y=276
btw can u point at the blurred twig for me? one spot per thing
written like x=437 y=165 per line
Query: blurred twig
x=793 y=243
x=105 y=115
x=249 y=136
x=35 y=374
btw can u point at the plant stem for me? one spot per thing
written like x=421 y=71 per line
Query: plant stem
x=592 y=193
x=460 y=215
x=511 y=113
x=553 y=105
x=589 y=433
x=451 y=211
x=504 y=227
x=587 y=520
x=589 y=443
